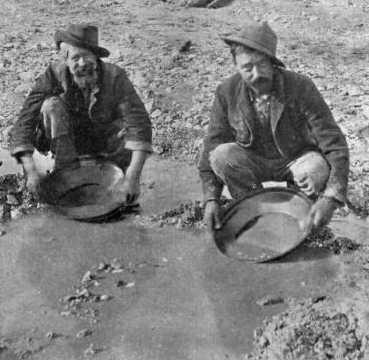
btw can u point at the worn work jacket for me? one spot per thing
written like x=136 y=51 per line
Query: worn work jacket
x=114 y=107
x=300 y=121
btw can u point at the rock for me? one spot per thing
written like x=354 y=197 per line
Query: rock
x=185 y=46
x=104 y=297
x=2 y=233
x=270 y=300
x=83 y=333
x=156 y=113
x=51 y=335
x=121 y=283
x=93 y=350
x=102 y=266
x=87 y=277
x=117 y=264
x=12 y=200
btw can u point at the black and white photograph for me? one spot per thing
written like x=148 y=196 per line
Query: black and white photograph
x=184 y=180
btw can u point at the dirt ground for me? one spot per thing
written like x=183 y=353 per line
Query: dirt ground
x=144 y=287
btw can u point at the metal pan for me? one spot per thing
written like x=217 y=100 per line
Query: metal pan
x=85 y=192
x=264 y=225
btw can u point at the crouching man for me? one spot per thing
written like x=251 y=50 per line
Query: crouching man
x=83 y=106
x=271 y=124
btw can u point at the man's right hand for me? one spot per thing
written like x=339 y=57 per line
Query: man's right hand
x=33 y=181
x=212 y=215
x=34 y=177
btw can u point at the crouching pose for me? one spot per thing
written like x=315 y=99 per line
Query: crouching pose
x=271 y=124
x=83 y=106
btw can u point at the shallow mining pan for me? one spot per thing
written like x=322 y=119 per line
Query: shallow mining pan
x=265 y=225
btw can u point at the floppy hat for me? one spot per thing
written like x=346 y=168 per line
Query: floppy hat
x=258 y=36
x=80 y=35
x=87 y=192
x=264 y=225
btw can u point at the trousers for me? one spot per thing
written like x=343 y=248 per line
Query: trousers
x=243 y=171
x=68 y=141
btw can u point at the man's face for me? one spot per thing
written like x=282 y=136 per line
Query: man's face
x=256 y=70
x=82 y=64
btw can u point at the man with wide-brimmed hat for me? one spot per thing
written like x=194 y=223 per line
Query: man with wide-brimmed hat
x=271 y=124
x=82 y=105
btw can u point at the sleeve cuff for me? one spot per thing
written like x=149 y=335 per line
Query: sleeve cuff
x=19 y=150
x=138 y=145
x=331 y=193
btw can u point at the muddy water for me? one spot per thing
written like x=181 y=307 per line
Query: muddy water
x=188 y=301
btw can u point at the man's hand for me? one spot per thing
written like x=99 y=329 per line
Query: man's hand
x=34 y=179
x=130 y=190
x=322 y=212
x=212 y=216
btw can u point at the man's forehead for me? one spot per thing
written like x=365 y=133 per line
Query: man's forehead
x=251 y=56
x=75 y=49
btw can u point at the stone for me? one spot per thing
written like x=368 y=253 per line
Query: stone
x=83 y=333
x=270 y=300
x=87 y=277
x=12 y=200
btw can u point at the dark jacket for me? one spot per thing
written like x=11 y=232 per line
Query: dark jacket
x=300 y=121
x=114 y=107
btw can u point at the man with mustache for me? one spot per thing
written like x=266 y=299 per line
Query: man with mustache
x=271 y=124
x=83 y=106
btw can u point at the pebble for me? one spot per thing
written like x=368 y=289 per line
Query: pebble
x=121 y=283
x=51 y=335
x=156 y=113
x=185 y=46
x=83 y=333
x=12 y=200
x=102 y=266
x=87 y=277
x=93 y=350
x=104 y=297
x=270 y=300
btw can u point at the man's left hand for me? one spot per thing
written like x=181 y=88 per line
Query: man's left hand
x=130 y=190
x=322 y=212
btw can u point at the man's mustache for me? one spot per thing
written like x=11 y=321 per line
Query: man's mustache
x=84 y=71
x=261 y=81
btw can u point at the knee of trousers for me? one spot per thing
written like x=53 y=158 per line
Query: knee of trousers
x=55 y=117
x=53 y=105
x=221 y=158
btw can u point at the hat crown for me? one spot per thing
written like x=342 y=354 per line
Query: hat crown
x=258 y=36
x=84 y=33
x=262 y=35
x=83 y=36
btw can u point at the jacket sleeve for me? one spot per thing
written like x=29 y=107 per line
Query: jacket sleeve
x=330 y=140
x=137 y=122
x=23 y=134
x=219 y=132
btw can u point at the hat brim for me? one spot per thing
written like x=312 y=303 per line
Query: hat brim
x=229 y=40
x=62 y=36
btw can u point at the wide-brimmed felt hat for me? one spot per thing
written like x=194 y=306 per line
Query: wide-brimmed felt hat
x=81 y=35
x=258 y=36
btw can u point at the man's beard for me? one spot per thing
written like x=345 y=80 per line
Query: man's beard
x=85 y=80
